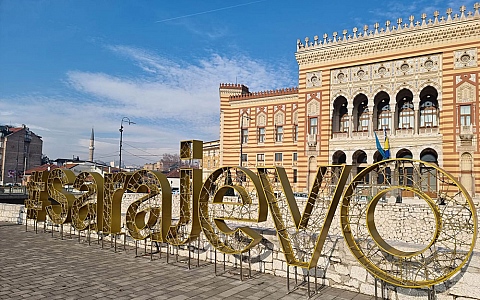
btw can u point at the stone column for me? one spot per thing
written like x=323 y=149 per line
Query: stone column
x=370 y=118
x=393 y=111
x=416 y=113
x=350 y=119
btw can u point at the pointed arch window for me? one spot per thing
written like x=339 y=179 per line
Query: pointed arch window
x=344 y=118
x=428 y=114
x=384 y=118
x=406 y=116
x=363 y=118
x=344 y=123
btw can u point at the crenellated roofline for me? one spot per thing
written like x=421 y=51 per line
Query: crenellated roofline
x=264 y=94
x=463 y=26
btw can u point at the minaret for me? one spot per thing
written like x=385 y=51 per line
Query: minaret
x=92 y=147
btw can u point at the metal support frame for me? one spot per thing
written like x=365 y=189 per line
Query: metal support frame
x=198 y=253
x=382 y=289
x=431 y=293
x=114 y=235
x=189 y=254
x=168 y=252
x=298 y=285
x=235 y=266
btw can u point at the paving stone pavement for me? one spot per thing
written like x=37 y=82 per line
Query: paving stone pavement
x=37 y=266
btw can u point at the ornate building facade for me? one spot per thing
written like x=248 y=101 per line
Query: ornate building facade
x=416 y=82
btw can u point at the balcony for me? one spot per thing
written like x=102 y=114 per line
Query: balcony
x=404 y=132
x=428 y=130
x=466 y=132
x=359 y=134
x=340 y=135
x=312 y=140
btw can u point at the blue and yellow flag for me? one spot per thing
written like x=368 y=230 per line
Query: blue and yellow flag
x=379 y=147
x=385 y=152
x=386 y=148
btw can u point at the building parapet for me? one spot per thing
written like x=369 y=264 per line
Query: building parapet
x=437 y=28
x=264 y=94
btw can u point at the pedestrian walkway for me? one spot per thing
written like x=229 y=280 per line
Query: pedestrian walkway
x=37 y=266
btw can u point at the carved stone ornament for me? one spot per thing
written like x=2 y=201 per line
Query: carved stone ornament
x=314 y=79
x=465 y=58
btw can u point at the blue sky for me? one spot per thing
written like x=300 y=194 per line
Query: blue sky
x=67 y=66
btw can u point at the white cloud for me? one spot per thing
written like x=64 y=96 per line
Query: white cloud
x=169 y=101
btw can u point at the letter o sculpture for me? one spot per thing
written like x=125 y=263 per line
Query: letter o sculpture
x=401 y=256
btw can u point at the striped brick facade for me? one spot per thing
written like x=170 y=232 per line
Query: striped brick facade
x=419 y=80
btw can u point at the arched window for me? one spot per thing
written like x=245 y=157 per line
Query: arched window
x=428 y=114
x=339 y=158
x=340 y=115
x=384 y=118
x=295 y=125
x=363 y=118
x=428 y=175
x=406 y=115
x=344 y=123
x=359 y=159
x=360 y=114
x=405 y=171
x=466 y=167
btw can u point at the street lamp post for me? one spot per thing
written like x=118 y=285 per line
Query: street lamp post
x=124 y=119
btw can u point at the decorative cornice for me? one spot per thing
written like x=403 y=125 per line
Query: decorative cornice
x=407 y=36
x=265 y=101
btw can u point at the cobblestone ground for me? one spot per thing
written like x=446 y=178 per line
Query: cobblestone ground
x=39 y=266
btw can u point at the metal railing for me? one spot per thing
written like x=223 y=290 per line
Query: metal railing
x=13 y=189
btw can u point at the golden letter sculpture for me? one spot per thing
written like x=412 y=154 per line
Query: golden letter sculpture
x=149 y=216
x=187 y=228
x=232 y=194
x=59 y=211
x=87 y=209
x=302 y=236
x=114 y=187
x=414 y=264
x=37 y=197
x=234 y=197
